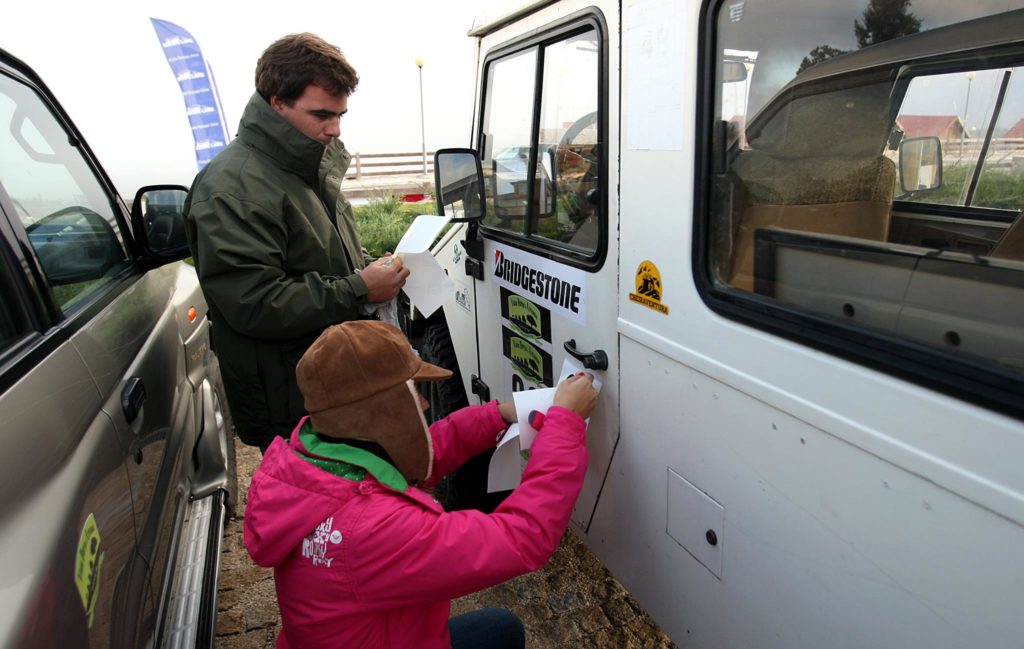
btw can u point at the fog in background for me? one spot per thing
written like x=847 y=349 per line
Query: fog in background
x=105 y=64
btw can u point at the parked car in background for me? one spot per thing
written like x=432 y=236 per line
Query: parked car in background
x=117 y=451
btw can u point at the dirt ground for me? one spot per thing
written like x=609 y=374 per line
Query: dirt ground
x=572 y=602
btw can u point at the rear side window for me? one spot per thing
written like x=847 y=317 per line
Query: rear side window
x=542 y=144
x=14 y=321
x=50 y=191
x=864 y=184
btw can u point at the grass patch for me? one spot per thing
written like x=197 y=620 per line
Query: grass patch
x=999 y=189
x=384 y=220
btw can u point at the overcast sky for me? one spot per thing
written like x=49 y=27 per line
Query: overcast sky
x=104 y=62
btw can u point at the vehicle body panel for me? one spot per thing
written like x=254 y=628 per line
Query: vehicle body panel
x=850 y=505
x=100 y=404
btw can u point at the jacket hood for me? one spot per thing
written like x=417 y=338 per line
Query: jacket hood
x=265 y=130
x=288 y=499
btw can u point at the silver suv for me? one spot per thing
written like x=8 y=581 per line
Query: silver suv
x=118 y=455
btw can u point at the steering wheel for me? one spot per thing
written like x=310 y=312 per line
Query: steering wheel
x=577 y=127
x=582 y=200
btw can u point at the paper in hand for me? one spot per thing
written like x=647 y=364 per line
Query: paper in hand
x=427 y=286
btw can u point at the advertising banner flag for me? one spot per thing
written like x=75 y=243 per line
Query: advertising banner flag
x=202 y=103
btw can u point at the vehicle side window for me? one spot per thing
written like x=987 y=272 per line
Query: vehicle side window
x=13 y=322
x=864 y=200
x=542 y=122
x=508 y=119
x=62 y=207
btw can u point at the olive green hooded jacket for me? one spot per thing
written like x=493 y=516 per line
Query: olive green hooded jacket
x=276 y=249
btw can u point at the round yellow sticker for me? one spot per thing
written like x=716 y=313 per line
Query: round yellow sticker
x=648 y=287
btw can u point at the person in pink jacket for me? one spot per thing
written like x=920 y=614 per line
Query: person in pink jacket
x=363 y=555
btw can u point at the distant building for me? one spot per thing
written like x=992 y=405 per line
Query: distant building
x=944 y=127
x=1016 y=131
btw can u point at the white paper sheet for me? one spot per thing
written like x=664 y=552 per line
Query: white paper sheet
x=505 y=469
x=526 y=402
x=427 y=285
x=421 y=233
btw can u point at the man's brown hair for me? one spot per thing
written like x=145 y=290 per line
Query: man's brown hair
x=297 y=60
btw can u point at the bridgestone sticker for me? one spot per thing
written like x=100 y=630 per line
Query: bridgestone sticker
x=561 y=288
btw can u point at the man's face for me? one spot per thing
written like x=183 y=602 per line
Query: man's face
x=316 y=113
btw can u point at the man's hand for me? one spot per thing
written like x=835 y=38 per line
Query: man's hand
x=384 y=278
x=577 y=393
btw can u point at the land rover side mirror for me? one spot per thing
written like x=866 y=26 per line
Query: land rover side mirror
x=158 y=222
x=733 y=71
x=920 y=163
x=459 y=184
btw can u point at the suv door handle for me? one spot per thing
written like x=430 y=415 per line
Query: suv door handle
x=595 y=361
x=132 y=398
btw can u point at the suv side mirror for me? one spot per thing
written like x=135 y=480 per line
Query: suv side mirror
x=459 y=184
x=920 y=163
x=158 y=222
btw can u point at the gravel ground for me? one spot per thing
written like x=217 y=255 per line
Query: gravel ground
x=572 y=602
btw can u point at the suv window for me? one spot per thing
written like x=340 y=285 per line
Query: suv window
x=865 y=183
x=55 y=196
x=14 y=322
x=542 y=122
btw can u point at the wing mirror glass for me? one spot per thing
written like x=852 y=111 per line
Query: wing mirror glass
x=158 y=221
x=733 y=71
x=920 y=163
x=459 y=185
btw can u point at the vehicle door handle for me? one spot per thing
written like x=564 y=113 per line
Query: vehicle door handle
x=595 y=361
x=132 y=398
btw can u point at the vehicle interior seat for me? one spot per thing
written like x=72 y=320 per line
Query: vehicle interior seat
x=847 y=196
x=816 y=163
x=1011 y=244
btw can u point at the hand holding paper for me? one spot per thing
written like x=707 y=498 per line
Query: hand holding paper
x=544 y=398
x=505 y=467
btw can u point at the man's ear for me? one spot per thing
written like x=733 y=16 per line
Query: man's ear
x=277 y=103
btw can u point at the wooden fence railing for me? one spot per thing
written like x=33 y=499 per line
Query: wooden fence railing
x=389 y=164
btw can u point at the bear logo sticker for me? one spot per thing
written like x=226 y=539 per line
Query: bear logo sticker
x=648 y=287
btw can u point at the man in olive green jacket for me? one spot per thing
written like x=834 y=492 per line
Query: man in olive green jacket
x=273 y=238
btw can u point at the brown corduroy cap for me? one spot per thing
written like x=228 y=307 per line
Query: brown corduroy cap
x=353 y=379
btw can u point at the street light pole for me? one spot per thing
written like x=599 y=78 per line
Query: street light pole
x=967 y=104
x=423 y=128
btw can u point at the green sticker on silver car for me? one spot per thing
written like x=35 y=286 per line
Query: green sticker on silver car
x=88 y=563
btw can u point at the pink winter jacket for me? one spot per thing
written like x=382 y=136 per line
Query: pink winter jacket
x=358 y=564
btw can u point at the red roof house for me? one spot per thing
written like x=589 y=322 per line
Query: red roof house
x=944 y=127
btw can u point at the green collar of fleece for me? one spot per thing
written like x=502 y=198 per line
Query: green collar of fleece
x=347 y=461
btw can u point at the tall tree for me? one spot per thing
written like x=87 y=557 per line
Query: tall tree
x=885 y=20
x=819 y=54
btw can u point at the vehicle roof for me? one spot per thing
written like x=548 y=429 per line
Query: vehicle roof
x=991 y=31
x=494 y=19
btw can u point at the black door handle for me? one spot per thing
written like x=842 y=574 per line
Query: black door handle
x=132 y=398
x=596 y=361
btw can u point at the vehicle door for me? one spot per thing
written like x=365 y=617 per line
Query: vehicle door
x=549 y=233
x=68 y=565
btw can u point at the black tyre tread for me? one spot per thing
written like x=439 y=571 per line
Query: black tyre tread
x=466 y=487
x=449 y=395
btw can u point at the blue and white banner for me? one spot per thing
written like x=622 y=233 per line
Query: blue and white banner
x=202 y=103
